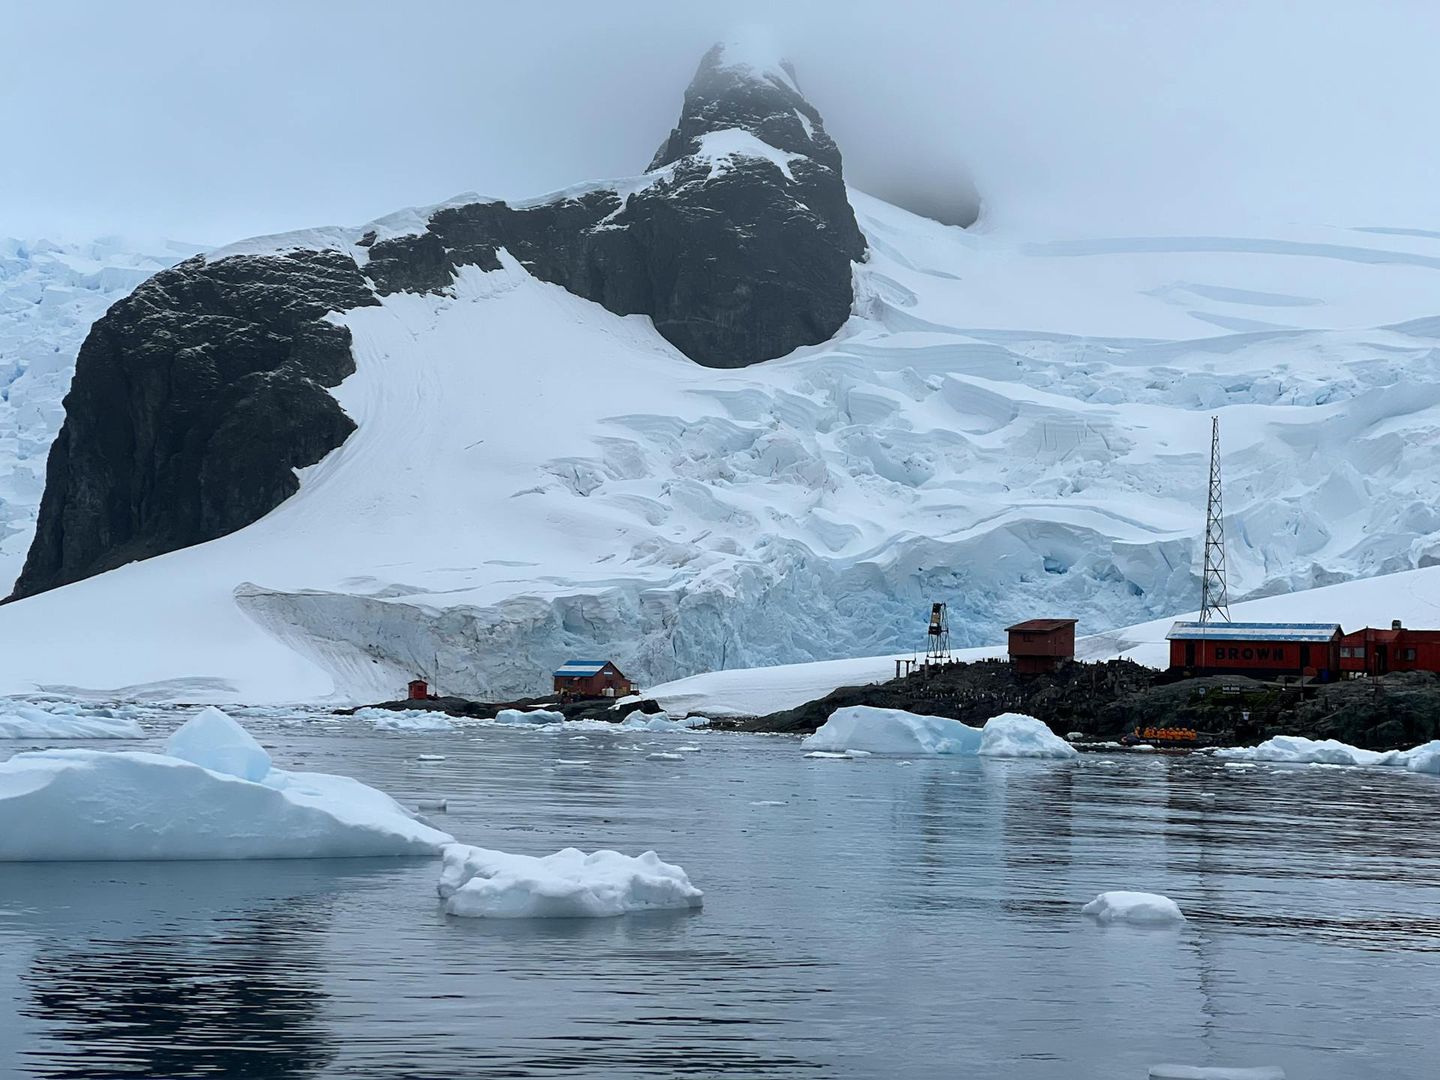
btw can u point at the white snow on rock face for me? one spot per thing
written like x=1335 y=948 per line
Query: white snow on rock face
x=1136 y=908
x=1298 y=750
x=1212 y=1072
x=93 y=805
x=478 y=883
x=66 y=720
x=1010 y=422
x=893 y=732
x=406 y=720
x=213 y=741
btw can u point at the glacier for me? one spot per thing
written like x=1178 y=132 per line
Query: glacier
x=1015 y=425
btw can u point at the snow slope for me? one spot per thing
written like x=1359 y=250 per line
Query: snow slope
x=50 y=293
x=1015 y=425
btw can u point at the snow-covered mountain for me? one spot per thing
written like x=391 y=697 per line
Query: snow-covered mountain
x=1016 y=425
x=50 y=293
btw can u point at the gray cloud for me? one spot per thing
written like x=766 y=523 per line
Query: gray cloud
x=211 y=121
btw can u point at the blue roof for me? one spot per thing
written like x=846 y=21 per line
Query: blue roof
x=580 y=667
x=1253 y=631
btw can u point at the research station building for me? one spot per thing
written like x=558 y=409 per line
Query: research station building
x=1256 y=649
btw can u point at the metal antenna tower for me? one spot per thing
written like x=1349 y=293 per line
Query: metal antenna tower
x=1214 y=597
x=937 y=636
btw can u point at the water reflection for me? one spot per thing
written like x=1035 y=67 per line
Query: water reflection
x=237 y=1004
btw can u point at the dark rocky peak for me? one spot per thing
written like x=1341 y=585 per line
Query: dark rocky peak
x=196 y=399
x=743 y=86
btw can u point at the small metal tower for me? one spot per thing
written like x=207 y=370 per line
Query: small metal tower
x=937 y=636
x=1214 y=597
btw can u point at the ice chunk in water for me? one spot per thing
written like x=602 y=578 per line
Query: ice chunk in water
x=1137 y=908
x=479 y=883
x=213 y=741
x=1203 y=1072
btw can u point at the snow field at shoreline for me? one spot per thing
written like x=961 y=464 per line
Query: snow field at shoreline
x=896 y=733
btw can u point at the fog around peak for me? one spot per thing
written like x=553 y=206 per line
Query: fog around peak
x=212 y=122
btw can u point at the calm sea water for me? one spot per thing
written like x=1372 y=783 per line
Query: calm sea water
x=888 y=920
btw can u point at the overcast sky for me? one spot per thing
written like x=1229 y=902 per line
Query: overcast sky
x=208 y=122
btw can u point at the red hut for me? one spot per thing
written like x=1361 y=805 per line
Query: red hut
x=1377 y=652
x=1038 y=646
x=1257 y=649
x=591 y=678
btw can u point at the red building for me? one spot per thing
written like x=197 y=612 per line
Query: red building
x=1376 y=652
x=1038 y=646
x=591 y=678
x=1218 y=648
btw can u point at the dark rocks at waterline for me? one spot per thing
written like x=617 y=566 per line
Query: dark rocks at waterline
x=196 y=398
x=1112 y=699
x=586 y=709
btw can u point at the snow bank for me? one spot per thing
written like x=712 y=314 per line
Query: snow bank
x=405 y=719
x=1298 y=750
x=66 y=720
x=202 y=800
x=899 y=733
x=1137 y=908
x=479 y=883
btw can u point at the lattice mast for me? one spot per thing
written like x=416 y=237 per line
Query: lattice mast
x=937 y=636
x=1214 y=596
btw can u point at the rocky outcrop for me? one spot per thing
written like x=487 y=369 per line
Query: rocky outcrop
x=196 y=398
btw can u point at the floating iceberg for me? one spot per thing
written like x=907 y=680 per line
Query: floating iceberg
x=66 y=720
x=478 y=883
x=1204 y=1072
x=202 y=800
x=1136 y=908
x=902 y=734
x=639 y=721
x=406 y=719
x=528 y=717
x=1298 y=750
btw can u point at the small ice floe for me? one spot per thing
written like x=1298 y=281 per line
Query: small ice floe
x=442 y=805
x=213 y=795
x=405 y=719
x=1142 y=747
x=1298 y=750
x=662 y=756
x=844 y=755
x=478 y=883
x=1210 y=1072
x=901 y=763
x=1240 y=765
x=1135 y=908
x=904 y=734
x=769 y=802
x=430 y=757
x=529 y=718
x=687 y=749
x=639 y=721
x=66 y=720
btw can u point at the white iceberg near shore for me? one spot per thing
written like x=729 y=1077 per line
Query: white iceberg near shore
x=479 y=883
x=406 y=719
x=1136 y=908
x=898 y=733
x=66 y=720
x=208 y=798
x=1298 y=750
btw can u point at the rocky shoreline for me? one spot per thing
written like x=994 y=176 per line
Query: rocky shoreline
x=1103 y=701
